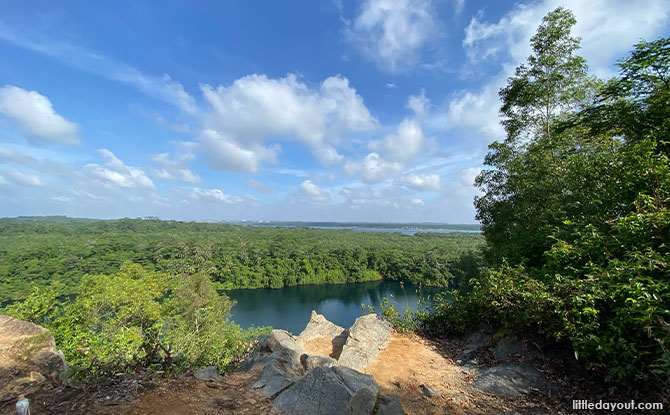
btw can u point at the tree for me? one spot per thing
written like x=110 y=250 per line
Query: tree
x=524 y=190
x=552 y=83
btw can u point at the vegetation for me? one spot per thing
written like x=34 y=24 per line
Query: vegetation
x=575 y=209
x=58 y=252
x=137 y=318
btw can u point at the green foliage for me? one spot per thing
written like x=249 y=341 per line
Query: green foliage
x=138 y=318
x=575 y=215
x=57 y=252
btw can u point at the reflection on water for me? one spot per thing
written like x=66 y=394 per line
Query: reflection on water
x=289 y=308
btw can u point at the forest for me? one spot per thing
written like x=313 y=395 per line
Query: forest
x=57 y=252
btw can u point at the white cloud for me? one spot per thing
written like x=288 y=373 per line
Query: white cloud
x=255 y=109
x=403 y=144
x=313 y=192
x=216 y=195
x=417 y=202
x=63 y=199
x=373 y=169
x=115 y=172
x=467 y=176
x=419 y=103
x=421 y=182
x=23 y=179
x=35 y=115
x=175 y=169
x=608 y=30
x=14 y=157
x=393 y=32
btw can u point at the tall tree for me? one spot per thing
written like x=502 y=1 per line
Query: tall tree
x=523 y=191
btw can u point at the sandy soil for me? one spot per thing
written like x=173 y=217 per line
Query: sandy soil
x=402 y=368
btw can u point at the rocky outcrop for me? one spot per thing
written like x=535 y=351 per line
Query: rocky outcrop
x=319 y=326
x=507 y=349
x=367 y=337
x=310 y=361
x=511 y=379
x=473 y=342
x=208 y=373
x=302 y=383
x=279 y=357
x=29 y=359
x=330 y=391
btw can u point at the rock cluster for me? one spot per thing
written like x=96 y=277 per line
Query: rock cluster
x=29 y=360
x=300 y=383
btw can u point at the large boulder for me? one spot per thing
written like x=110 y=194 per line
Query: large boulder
x=367 y=337
x=330 y=391
x=511 y=379
x=279 y=359
x=29 y=359
x=474 y=341
x=318 y=326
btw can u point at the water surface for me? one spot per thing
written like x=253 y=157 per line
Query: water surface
x=289 y=308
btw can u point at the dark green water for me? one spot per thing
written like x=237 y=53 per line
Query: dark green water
x=289 y=308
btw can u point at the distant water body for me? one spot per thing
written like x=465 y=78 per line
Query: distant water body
x=403 y=229
x=289 y=308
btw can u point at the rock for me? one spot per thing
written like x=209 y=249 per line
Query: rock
x=278 y=339
x=207 y=373
x=280 y=370
x=511 y=379
x=428 y=391
x=367 y=336
x=319 y=326
x=389 y=406
x=310 y=361
x=474 y=341
x=460 y=399
x=330 y=391
x=506 y=348
x=29 y=359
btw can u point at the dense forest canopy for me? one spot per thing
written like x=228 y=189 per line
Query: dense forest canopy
x=59 y=251
x=575 y=208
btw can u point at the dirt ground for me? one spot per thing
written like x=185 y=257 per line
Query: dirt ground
x=408 y=363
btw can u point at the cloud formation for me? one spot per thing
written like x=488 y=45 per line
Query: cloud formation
x=393 y=33
x=255 y=109
x=115 y=173
x=314 y=193
x=35 y=115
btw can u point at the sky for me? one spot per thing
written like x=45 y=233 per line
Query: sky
x=366 y=110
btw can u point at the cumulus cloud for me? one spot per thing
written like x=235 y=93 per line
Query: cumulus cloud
x=467 y=176
x=419 y=103
x=175 y=169
x=215 y=195
x=403 y=144
x=114 y=172
x=393 y=32
x=14 y=157
x=421 y=182
x=35 y=115
x=608 y=30
x=254 y=109
x=23 y=179
x=312 y=192
x=373 y=169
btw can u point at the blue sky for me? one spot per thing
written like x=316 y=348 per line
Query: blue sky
x=367 y=110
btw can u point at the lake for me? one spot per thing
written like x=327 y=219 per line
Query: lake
x=289 y=308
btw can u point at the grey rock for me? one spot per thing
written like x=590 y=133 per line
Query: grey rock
x=280 y=370
x=511 y=379
x=29 y=360
x=278 y=339
x=207 y=373
x=319 y=326
x=329 y=391
x=310 y=361
x=389 y=406
x=428 y=391
x=367 y=337
x=473 y=342
x=506 y=348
